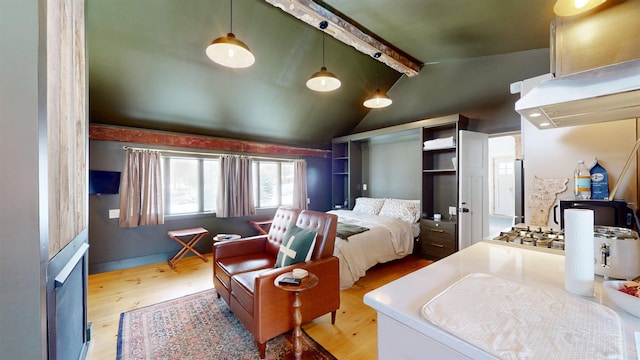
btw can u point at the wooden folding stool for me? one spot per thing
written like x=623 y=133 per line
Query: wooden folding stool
x=196 y=234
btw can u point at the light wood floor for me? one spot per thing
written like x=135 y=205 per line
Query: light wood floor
x=353 y=336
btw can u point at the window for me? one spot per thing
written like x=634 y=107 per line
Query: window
x=191 y=185
x=272 y=183
x=505 y=168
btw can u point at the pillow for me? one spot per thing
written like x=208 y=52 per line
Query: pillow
x=369 y=206
x=296 y=247
x=407 y=210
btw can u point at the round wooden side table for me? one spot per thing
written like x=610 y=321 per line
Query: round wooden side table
x=224 y=237
x=306 y=283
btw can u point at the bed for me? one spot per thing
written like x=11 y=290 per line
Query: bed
x=376 y=231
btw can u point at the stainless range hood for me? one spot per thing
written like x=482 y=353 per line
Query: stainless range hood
x=603 y=94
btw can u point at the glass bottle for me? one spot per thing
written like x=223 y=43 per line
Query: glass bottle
x=582 y=182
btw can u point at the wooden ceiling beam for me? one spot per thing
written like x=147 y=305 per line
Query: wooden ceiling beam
x=350 y=33
x=163 y=138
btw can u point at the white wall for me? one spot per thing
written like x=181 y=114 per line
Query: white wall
x=554 y=153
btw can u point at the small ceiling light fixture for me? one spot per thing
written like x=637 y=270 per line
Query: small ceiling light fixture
x=229 y=51
x=323 y=80
x=378 y=99
x=575 y=7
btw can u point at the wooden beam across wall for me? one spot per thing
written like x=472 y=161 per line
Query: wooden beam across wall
x=153 y=137
x=350 y=33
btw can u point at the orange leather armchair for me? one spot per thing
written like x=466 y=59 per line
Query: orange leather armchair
x=244 y=274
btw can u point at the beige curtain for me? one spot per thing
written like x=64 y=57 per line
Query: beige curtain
x=300 y=184
x=235 y=188
x=141 y=191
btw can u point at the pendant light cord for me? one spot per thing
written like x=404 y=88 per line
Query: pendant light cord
x=231 y=16
x=377 y=75
x=323 y=25
x=377 y=57
x=322 y=48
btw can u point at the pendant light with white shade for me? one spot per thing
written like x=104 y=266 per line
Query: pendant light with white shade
x=575 y=7
x=229 y=51
x=378 y=99
x=323 y=80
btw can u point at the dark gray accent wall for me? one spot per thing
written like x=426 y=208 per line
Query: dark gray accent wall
x=483 y=83
x=112 y=247
x=392 y=166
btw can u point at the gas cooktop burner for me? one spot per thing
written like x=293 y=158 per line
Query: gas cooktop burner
x=527 y=235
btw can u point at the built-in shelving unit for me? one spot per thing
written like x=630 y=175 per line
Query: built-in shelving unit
x=439 y=170
x=438 y=238
x=438 y=186
x=346 y=170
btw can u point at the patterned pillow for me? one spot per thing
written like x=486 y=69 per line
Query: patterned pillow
x=296 y=247
x=369 y=206
x=407 y=210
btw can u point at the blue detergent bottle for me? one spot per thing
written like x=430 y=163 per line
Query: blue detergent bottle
x=599 y=182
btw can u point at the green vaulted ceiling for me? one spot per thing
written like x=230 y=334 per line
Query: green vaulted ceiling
x=148 y=68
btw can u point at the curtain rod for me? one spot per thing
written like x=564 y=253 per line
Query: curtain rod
x=202 y=153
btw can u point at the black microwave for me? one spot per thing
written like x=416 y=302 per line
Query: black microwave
x=605 y=212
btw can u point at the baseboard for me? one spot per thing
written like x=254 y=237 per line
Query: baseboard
x=131 y=262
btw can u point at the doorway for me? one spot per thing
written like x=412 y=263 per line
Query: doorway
x=504 y=149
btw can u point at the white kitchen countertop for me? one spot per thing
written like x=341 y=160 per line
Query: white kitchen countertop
x=403 y=299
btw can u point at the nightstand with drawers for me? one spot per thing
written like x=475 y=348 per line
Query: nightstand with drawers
x=437 y=239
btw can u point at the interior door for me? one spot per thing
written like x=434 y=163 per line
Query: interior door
x=503 y=186
x=473 y=191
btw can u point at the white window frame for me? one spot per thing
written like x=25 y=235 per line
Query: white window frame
x=256 y=182
x=166 y=158
x=200 y=186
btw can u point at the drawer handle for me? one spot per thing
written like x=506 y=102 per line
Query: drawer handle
x=436 y=245
x=436 y=230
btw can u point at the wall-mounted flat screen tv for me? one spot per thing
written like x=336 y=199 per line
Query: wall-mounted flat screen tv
x=104 y=182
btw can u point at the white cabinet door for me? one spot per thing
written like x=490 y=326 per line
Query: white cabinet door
x=473 y=190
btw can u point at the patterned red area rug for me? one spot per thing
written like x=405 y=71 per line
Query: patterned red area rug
x=198 y=326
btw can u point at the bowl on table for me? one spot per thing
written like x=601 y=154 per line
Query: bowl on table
x=626 y=302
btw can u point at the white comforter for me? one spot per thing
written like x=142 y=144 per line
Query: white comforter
x=387 y=239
